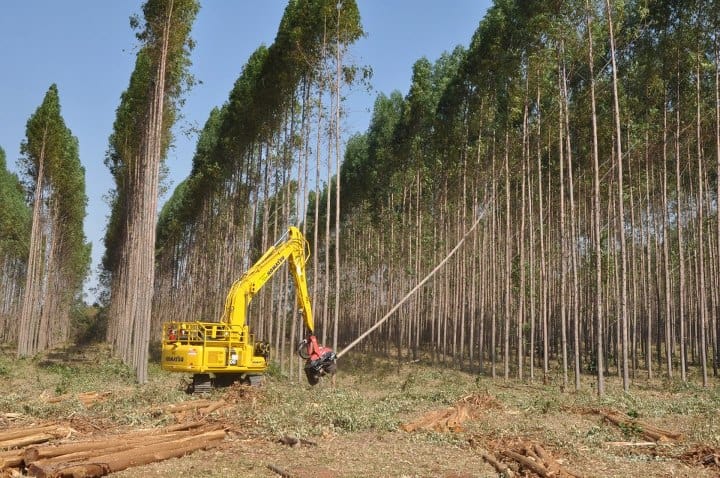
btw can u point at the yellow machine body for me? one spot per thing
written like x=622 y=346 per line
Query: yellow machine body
x=211 y=347
x=227 y=347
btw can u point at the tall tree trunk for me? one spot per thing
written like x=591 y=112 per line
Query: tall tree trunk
x=621 y=208
x=30 y=312
x=599 y=352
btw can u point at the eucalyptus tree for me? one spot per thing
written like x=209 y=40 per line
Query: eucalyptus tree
x=248 y=180
x=138 y=144
x=58 y=256
x=14 y=240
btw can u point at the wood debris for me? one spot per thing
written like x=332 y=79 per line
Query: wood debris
x=525 y=459
x=632 y=425
x=295 y=442
x=703 y=456
x=99 y=457
x=21 y=437
x=279 y=471
x=88 y=399
x=452 y=418
x=200 y=407
x=631 y=443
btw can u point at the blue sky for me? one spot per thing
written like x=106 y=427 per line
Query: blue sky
x=87 y=48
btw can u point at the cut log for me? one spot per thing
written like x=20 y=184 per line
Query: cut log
x=93 y=448
x=548 y=460
x=175 y=428
x=11 y=458
x=21 y=432
x=500 y=467
x=86 y=449
x=213 y=407
x=26 y=440
x=116 y=461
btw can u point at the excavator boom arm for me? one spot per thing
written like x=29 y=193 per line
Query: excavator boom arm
x=227 y=348
x=291 y=247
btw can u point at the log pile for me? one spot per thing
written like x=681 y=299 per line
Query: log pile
x=99 y=457
x=632 y=425
x=18 y=438
x=526 y=459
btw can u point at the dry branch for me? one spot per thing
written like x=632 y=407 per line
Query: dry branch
x=527 y=463
x=499 y=466
x=280 y=471
x=631 y=443
x=86 y=398
x=650 y=432
x=188 y=405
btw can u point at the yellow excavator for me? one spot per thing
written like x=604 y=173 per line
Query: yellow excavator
x=221 y=353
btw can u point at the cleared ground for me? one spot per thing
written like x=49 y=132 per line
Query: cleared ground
x=382 y=419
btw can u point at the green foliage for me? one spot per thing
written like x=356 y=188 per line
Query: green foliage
x=258 y=104
x=14 y=215
x=88 y=324
x=55 y=181
x=129 y=130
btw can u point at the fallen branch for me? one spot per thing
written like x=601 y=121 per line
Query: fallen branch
x=280 y=471
x=650 y=432
x=500 y=467
x=293 y=441
x=631 y=443
x=527 y=463
x=188 y=405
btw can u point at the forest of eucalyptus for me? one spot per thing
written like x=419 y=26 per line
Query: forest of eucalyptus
x=44 y=255
x=585 y=137
x=574 y=146
x=582 y=139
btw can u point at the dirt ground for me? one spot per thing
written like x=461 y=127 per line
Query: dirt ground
x=382 y=419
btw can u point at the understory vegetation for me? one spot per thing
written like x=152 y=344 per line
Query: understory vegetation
x=357 y=427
